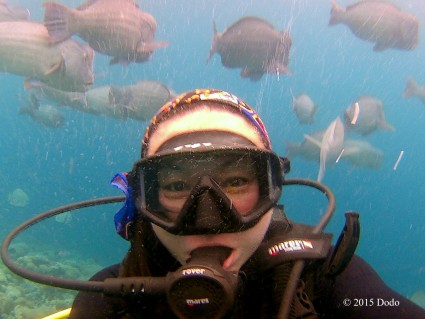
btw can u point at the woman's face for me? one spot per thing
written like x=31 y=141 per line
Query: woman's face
x=235 y=175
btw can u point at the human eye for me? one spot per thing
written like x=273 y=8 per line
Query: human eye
x=235 y=184
x=175 y=186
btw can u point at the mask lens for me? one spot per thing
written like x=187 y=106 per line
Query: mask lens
x=247 y=178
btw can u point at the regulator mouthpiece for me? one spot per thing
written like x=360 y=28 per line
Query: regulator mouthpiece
x=202 y=288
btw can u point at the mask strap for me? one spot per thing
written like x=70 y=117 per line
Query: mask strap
x=125 y=216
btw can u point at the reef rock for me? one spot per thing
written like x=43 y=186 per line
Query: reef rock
x=18 y=198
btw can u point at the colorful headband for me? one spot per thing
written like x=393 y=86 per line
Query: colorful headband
x=201 y=95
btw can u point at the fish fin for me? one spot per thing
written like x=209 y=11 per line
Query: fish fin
x=349 y=151
x=85 y=5
x=278 y=68
x=292 y=149
x=56 y=20
x=79 y=100
x=57 y=66
x=118 y=95
x=117 y=60
x=25 y=110
x=379 y=47
x=122 y=98
x=17 y=12
x=322 y=170
x=337 y=13
x=313 y=140
x=384 y=125
x=253 y=76
x=411 y=88
x=147 y=47
x=214 y=42
x=31 y=84
x=34 y=101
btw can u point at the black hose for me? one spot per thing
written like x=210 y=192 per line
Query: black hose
x=48 y=279
x=102 y=286
x=297 y=269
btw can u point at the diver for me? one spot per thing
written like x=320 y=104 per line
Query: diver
x=202 y=204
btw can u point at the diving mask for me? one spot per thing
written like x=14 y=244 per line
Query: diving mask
x=207 y=190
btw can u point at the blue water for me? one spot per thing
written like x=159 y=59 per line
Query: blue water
x=59 y=166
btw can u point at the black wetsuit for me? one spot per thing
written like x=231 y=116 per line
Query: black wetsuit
x=357 y=292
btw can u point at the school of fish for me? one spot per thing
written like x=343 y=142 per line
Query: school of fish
x=58 y=69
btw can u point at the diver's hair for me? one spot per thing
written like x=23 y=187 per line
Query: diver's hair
x=135 y=262
x=146 y=256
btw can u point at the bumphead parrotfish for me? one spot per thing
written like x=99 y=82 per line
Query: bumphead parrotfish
x=379 y=21
x=254 y=45
x=366 y=115
x=117 y=28
x=362 y=154
x=304 y=108
x=309 y=148
x=25 y=50
x=44 y=114
x=141 y=99
x=414 y=89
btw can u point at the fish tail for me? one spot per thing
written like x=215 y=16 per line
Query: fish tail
x=214 y=41
x=411 y=88
x=384 y=125
x=56 y=20
x=25 y=110
x=336 y=13
x=292 y=149
x=32 y=84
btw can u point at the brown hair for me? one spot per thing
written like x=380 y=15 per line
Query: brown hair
x=146 y=256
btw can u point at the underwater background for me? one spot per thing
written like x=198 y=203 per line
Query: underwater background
x=58 y=166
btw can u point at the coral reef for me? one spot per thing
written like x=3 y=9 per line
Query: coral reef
x=419 y=298
x=23 y=299
x=18 y=198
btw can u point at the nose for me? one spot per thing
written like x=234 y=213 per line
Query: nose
x=208 y=210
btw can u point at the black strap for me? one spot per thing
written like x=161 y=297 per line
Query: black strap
x=346 y=245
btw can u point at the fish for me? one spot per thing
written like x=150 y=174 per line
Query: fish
x=25 y=50
x=253 y=45
x=413 y=89
x=304 y=108
x=44 y=114
x=331 y=145
x=362 y=154
x=94 y=101
x=78 y=72
x=8 y=13
x=42 y=91
x=306 y=149
x=98 y=103
x=366 y=115
x=142 y=99
x=380 y=22
x=139 y=101
x=117 y=28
